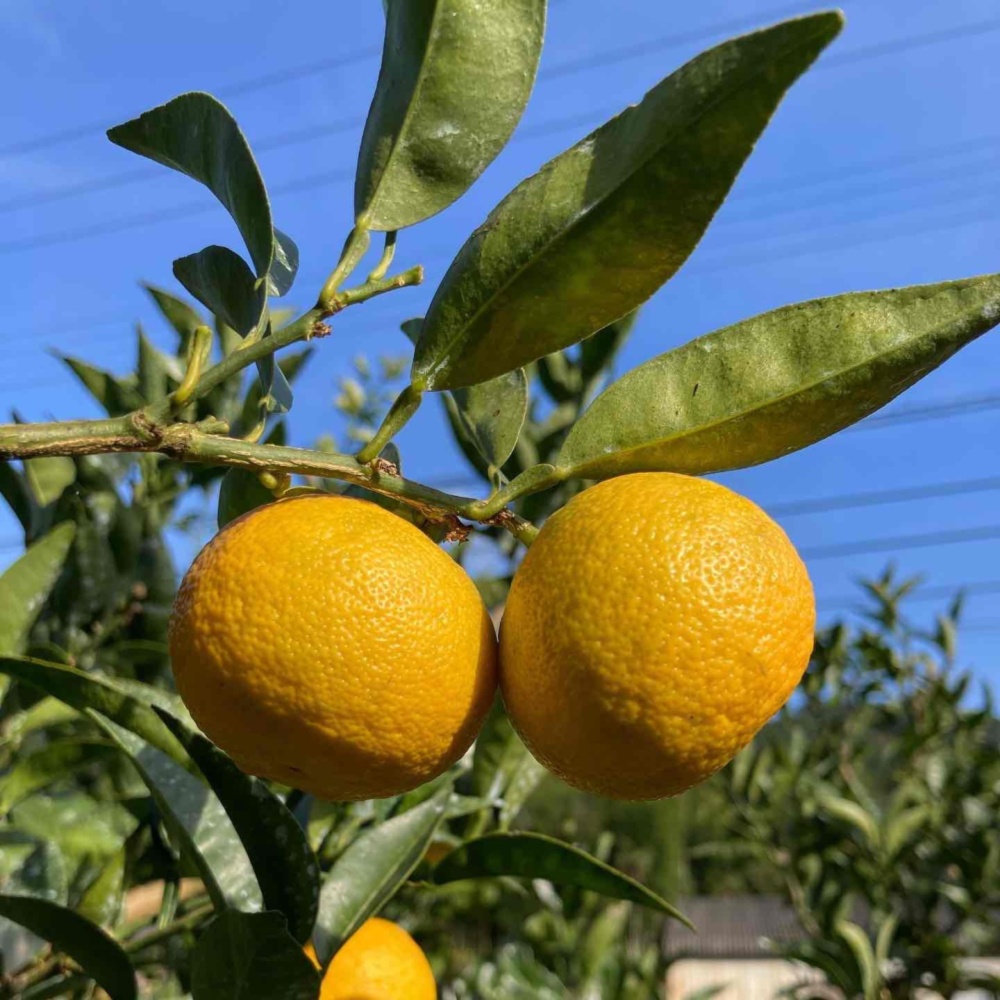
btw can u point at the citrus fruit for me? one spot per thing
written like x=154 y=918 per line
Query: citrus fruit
x=380 y=961
x=328 y=644
x=655 y=625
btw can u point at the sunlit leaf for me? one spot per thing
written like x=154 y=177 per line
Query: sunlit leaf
x=197 y=818
x=773 y=384
x=602 y=226
x=279 y=851
x=454 y=81
x=533 y=855
x=26 y=584
x=370 y=871
x=84 y=691
x=195 y=134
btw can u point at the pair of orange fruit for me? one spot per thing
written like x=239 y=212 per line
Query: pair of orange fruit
x=654 y=626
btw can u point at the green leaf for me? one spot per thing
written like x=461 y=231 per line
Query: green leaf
x=251 y=956
x=533 y=855
x=285 y=265
x=196 y=818
x=491 y=414
x=48 y=477
x=454 y=82
x=904 y=826
x=861 y=948
x=241 y=491
x=48 y=764
x=221 y=281
x=42 y=875
x=86 y=691
x=276 y=844
x=101 y=900
x=157 y=372
x=854 y=815
x=14 y=490
x=502 y=767
x=117 y=396
x=777 y=382
x=178 y=314
x=602 y=226
x=196 y=134
x=26 y=584
x=96 y=953
x=598 y=353
x=883 y=940
x=77 y=823
x=370 y=871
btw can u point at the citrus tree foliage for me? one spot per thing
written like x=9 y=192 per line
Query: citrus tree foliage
x=136 y=856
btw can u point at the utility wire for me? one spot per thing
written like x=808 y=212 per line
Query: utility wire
x=942 y=592
x=566 y=68
x=623 y=54
x=958 y=536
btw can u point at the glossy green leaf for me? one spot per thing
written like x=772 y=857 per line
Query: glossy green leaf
x=454 y=82
x=86 y=691
x=370 y=871
x=26 y=584
x=222 y=282
x=251 y=956
x=533 y=855
x=97 y=954
x=491 y=414
x=197 y=818
x=101 y=901
x=241 y=491
x=276 y=844
x=284 y=266
x=48 y=764
x=602 y=226
x=178 y=314
x=196 y=134
x=777 y=382
x=118 y=396
x=42 y=874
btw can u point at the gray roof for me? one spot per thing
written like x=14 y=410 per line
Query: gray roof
x=732 y=927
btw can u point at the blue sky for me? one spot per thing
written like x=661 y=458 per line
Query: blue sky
x=879 y=170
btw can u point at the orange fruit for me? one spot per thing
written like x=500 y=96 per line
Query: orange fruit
x=380 y=961
x=328 y=644
x=655 y=625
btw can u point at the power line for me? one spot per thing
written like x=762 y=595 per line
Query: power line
x=929 y=539
x=311 y=69
x=943 y=592
x=930 y=411
x=622 y=54
x=874 y=498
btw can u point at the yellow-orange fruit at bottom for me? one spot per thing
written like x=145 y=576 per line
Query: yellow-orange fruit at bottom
x=657 y=622
x=330 y=645
x=380 y=961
